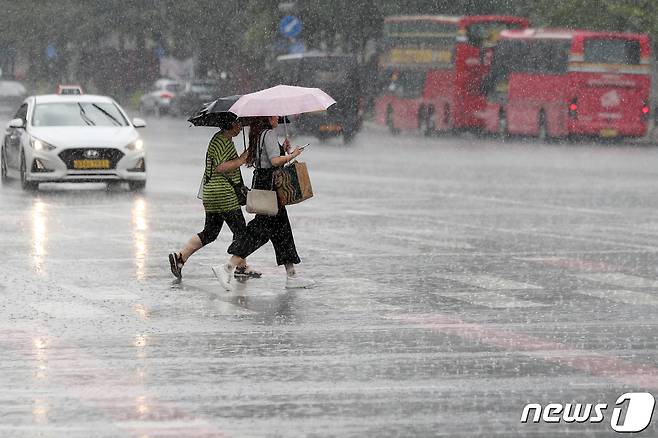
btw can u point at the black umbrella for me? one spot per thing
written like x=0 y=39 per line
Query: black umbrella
x=215 y=113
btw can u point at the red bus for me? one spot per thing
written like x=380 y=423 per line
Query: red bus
x=559 y=83
x=432 y=68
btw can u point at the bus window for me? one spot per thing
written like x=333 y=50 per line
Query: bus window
x=612 y=51
x=544 y=56
x=550 y=56
x=418 y=33
x=510 y=56
x=486 y=34
x=519 y=56
x=406 y=84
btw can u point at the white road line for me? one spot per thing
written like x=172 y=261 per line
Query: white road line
x=623 y=296
x=69 y=310
x=619 y=279
x=492 y=300
x=488 y=282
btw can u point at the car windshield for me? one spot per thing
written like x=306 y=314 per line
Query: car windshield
x=172 y=87
x=12 y=88
x=78 y=114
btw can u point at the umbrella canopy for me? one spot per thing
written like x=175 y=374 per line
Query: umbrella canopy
x=215 y=113
x=282 y=100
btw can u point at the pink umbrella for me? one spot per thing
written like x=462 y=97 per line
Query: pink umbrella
x=282 y=100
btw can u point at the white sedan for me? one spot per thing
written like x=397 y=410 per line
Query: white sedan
x=74 y=138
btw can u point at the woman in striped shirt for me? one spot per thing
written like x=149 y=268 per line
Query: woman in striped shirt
x=219 y=199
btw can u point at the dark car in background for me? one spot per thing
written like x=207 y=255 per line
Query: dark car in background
x=193 y=95
x=338 y=75
x=12 y=93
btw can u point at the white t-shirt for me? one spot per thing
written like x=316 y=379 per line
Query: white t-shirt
x=270 y=149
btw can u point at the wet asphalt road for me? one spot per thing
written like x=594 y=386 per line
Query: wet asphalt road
x=459 y=278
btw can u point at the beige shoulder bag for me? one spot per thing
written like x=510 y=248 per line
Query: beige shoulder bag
x=262 y=201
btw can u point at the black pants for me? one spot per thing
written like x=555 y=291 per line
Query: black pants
x=214 y=222
x=264 y=228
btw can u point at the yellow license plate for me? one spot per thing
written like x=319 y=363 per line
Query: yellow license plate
x=91 y=164
x=330 y=128
x=608 y=133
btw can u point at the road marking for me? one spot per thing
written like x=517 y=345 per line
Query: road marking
x=69 y=310
x=570 y=263
x=539 y=233
x=623 y=296
x=638 y=375
x=619 y=279
x=490 y=299
x=146 y=414
x=488 y=282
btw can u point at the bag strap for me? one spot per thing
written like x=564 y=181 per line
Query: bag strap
x=261 y=140
x=206 y=179
x=231 y=182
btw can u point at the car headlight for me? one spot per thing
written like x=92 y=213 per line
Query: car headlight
x=136 y=145
x=40 y=145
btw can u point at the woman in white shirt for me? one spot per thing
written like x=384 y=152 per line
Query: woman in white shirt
x=265 y=154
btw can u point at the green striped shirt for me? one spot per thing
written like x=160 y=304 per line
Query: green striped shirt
x=218 y=194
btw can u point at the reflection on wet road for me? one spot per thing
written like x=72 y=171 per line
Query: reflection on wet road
x=458 y=280
x=39 y=234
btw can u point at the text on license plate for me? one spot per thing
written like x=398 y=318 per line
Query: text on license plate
x=608 y=133
x=91 y=164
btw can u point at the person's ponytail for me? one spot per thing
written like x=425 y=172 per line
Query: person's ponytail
x=255 y=130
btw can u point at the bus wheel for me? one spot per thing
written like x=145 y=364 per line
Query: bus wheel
x=502 y=125
x=421 y=118
x=447 y=122
x=389 y=122
x=429 y=128
x=542 y=130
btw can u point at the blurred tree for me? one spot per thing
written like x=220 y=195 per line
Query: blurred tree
x=616 y=15
x=112 y=44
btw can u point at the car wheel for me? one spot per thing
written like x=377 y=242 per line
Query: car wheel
x=25 y=184
x=136 y=186
x=3 y=167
